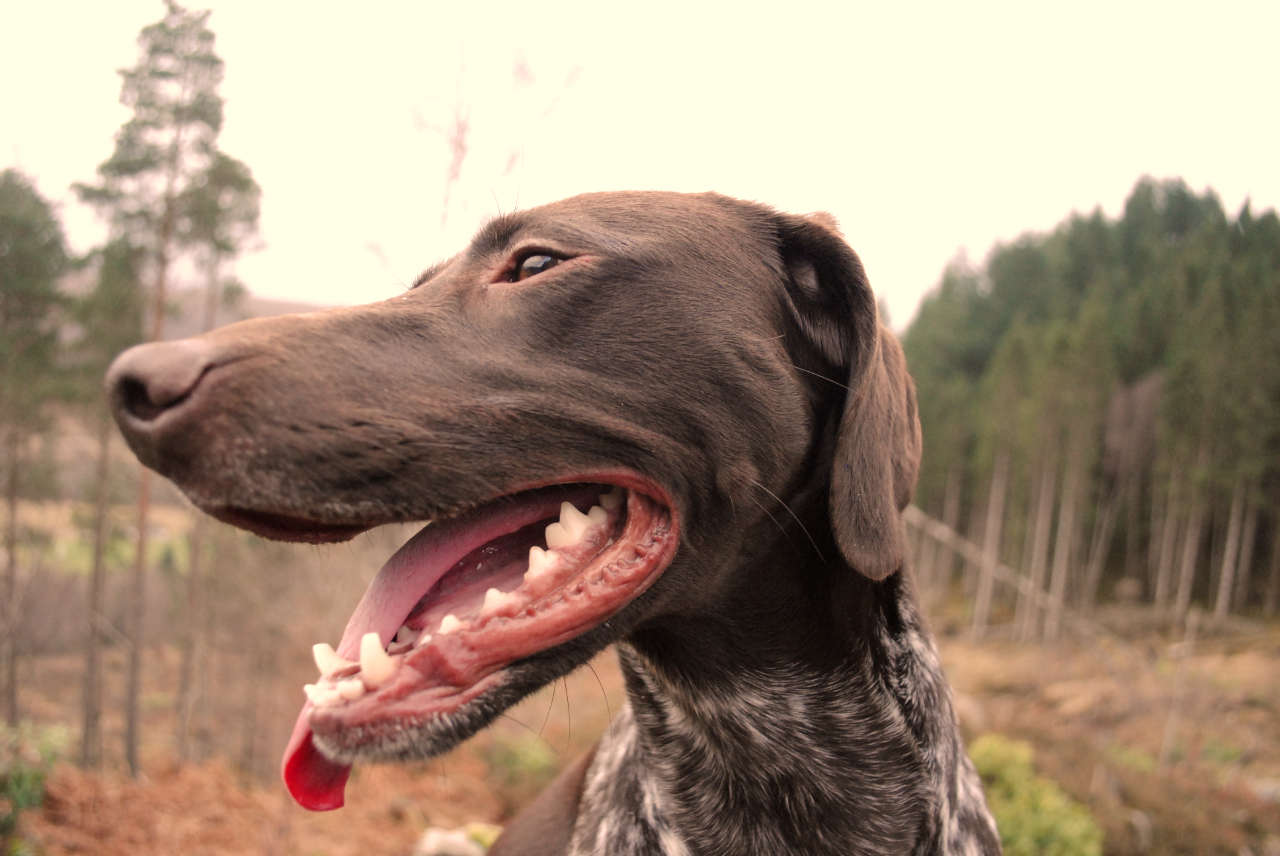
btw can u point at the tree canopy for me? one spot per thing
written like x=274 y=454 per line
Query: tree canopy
x=1030 y=351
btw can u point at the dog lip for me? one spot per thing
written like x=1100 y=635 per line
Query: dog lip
x=297 y=528
x=286 y=527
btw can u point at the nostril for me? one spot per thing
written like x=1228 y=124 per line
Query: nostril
x=137 y=402
x=147 y=381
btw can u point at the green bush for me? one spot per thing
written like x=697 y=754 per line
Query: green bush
x=520 y=766
x=1036 y=818
x=26 y=755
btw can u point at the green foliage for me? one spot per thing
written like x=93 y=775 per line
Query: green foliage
x=519 y=765
x=32 y=258
x=177 y=114
x=1034 y=815
x=108 y=318
x=483 y=834
x=27 y=753
x=1025 y=354
x=1132 y=758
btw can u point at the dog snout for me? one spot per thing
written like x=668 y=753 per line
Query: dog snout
x=148 y=381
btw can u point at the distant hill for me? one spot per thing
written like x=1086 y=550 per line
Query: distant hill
x=186 y=311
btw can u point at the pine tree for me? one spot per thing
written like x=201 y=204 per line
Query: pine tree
x=32 y=258
x=160 y=155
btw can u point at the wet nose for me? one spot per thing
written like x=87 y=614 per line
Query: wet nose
x=147 y=381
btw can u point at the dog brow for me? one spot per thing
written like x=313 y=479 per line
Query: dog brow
x=429 y=274
x=497 y=233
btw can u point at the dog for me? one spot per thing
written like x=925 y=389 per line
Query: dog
x=669 y=422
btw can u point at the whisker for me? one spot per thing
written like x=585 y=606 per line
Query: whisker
x=568 y=711
x=821 y=376
x=521 y=724
x=603 y=694
x=769 y=514
x=798 y=521
x=550 y=705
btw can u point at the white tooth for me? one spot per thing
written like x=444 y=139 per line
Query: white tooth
x=327 y=660
x=597 y=515
x=558 y=536
x=449 y=623
x=376 y=666
x=351 y=688
x=569 y=530
x=540 y=561
x=405 y=633
x=422 y=640
x=612 y=499
x=495 y=600
x=321 y=696
x=573 y=520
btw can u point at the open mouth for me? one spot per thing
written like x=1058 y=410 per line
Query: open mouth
x=459 y=604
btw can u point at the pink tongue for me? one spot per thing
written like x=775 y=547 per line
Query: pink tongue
x=316 y=782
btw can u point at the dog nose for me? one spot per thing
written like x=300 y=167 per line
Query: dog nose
x=148 y=380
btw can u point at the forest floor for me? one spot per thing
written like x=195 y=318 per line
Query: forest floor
x=1173 y=751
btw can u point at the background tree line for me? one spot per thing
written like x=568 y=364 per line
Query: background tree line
x=175 y=206
x=1101 y=408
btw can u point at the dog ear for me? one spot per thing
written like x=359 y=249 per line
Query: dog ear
x=876 y=452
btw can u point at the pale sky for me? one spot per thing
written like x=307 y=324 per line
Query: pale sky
x=926 y=129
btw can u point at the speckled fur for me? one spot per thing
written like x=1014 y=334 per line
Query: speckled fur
x=785 y=760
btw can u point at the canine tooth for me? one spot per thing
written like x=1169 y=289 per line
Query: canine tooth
x=327 y=660
x=376 y=666
x=569 y=529
x=572 y=519
x=597 y=515
x=405 y=633
x=540 y=561
x=351 y=688
x=612 y=499
x=449 y=624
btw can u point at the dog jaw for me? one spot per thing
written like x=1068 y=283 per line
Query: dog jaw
x=436 y=645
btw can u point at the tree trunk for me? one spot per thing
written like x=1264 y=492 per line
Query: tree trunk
x=1168 y=545
x=1244 y=575
x=11 y=580
x=254 y=674
x=1273 y=575
x=1230 y=553
x=190 y=638
x=138 y=589
x=1028 y=612
x=137 y=619
x=1062 y=548
x=1133 y=514
x=925 y=567
x=951 y=517
x=1103 y=527
x=91 y=732
x=1190 y=552
x=991 y=543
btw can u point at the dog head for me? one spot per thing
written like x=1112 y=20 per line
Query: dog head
x=592 y=403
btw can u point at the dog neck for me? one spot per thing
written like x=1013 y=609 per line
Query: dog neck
x=832 y=741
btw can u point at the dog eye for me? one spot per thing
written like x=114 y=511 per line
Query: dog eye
x=532 y=265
